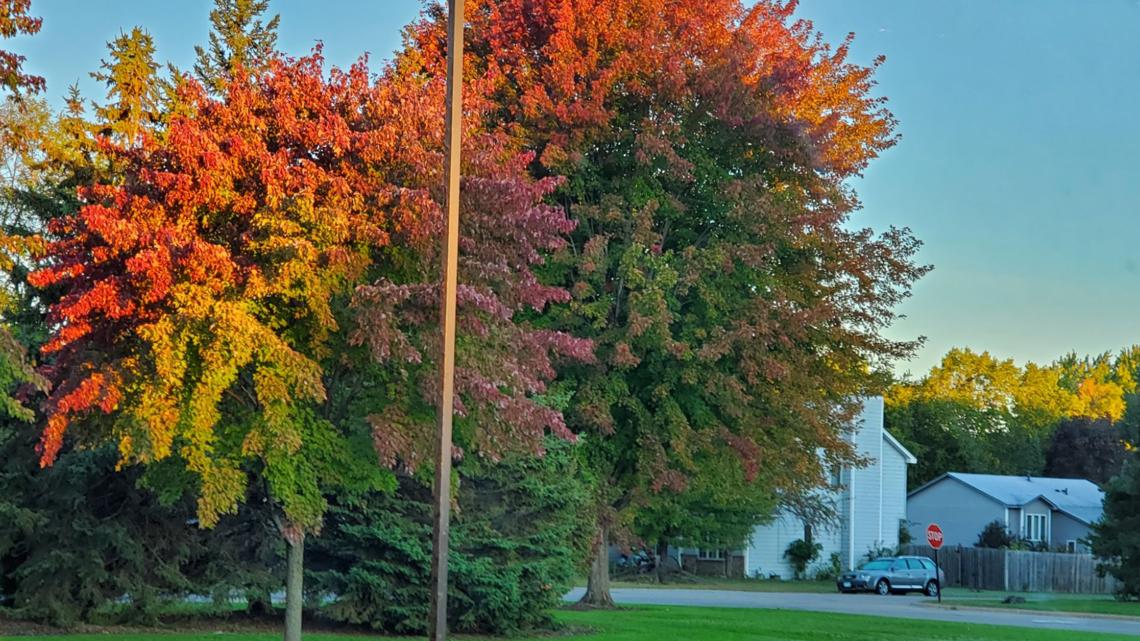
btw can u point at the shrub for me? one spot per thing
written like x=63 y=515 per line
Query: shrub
x=994 y=535
x=801 y=553
x=904 y=533
x=829 y=570
x=878 y=551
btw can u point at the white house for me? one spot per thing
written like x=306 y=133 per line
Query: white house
x=871 y=502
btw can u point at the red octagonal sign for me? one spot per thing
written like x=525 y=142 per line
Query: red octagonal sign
x=934 y=536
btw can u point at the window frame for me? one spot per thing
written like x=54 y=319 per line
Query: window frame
x=1029 y=521
x=706 y=554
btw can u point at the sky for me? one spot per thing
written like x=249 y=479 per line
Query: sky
x=1018 y=167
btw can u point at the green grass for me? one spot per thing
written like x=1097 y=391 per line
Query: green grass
x=1066 y=603
x=697 y=624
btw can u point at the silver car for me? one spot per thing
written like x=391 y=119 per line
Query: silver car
x=894 y=574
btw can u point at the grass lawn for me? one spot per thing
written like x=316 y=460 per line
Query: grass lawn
x=1047 y=603
x=691 y=624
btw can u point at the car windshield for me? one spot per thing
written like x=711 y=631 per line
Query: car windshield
x=881 y=564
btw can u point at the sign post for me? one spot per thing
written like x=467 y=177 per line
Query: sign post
x=934 y=540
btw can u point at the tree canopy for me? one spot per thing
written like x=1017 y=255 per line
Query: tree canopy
x=736 y=313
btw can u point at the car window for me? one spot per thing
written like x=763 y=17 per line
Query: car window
x=914 y=564
x=928 y=564
x=881 y=564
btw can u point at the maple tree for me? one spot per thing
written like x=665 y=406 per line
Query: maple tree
x=15 y=20
x=705 y=149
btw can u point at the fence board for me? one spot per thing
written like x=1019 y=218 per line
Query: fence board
x=1017 y=571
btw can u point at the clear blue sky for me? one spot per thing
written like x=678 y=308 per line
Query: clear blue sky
x=1019 y=165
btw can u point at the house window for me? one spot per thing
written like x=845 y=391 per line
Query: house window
x=1071 y=546
x=710 y=555
x=836 y=477
x=1035 y=527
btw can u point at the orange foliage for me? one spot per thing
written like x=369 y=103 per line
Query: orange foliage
x=562 y=70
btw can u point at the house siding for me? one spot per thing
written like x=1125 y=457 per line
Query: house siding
x=870 y=503
x=1066 y=528
x=766 y=548
x=894 y=493
x=866 y=486
x=959 y=510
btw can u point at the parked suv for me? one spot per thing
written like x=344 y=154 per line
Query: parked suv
x=894 y=574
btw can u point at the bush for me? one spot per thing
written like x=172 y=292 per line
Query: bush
x=877 y=551
x=801 y=553
x=518 y=537
x=1025 y=545
x=829 y=570
x=995 y=536
x=904 y=533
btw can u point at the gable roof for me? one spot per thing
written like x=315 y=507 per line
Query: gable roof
x=894 y=442
x=1079 y=498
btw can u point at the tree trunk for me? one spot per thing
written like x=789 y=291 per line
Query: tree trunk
x=294 y=581
x=598 y=584
x=662 y=556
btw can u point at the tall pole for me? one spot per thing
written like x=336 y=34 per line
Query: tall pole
x=437 y=624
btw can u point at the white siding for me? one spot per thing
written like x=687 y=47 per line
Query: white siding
x=894 y=493
x=871 y=503
x=866 y=484
x=766 y=549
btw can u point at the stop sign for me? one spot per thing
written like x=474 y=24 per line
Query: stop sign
x=934 y=536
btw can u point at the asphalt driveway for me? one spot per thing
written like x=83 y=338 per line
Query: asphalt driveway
x=907 y=607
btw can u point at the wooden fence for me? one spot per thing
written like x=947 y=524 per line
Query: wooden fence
x=1011 y=571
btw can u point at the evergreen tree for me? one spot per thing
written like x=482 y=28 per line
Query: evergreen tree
x=515 y=548
x=238 y=39
x=1116 y=537
x=132 y=86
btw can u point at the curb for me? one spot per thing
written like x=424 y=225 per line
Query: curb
x=984 y=608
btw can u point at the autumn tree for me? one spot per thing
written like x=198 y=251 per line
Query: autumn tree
x=15 y=20
x=974 y=412
x=212 y=296
x=238 y=40
x=734 y=309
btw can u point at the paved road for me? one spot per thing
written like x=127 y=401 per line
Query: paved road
x=907 y=607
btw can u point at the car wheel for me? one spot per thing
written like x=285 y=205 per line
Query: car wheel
x=882 y=587
x=931 y=589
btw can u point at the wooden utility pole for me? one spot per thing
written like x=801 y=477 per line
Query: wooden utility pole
x=437 y=624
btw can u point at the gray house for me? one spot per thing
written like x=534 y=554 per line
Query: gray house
x=1056 y=512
